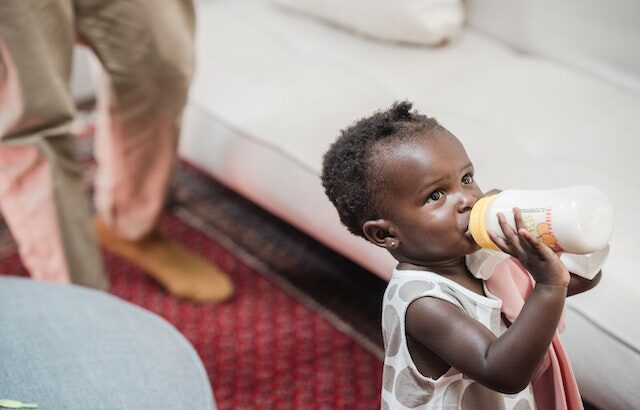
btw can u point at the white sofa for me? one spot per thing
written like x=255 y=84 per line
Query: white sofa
x=543 y=94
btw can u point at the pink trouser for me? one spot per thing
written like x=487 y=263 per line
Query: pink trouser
x=146 y=50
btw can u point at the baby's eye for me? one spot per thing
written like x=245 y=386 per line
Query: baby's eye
x=467 y=178
x=435 y=195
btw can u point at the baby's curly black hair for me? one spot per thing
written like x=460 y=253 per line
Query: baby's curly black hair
x=347 y=169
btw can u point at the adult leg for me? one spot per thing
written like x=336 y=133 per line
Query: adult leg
x=41 y=192
x=147 y=53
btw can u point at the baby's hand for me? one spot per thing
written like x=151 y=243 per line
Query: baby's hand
x=492 y=192
x=542 y=262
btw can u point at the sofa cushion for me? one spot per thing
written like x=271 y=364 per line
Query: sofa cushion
x=421 y=22
x=602 y=38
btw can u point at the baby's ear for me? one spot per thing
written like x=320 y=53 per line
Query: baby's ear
x=381 y=232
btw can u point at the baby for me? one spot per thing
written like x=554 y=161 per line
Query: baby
x=463 y=327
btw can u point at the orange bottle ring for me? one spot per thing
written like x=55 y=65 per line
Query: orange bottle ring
x=478 y=223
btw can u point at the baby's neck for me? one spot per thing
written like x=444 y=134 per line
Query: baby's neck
x=448 y=268
x=454 y=269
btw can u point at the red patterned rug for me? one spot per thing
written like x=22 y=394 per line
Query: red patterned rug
x=302 y=330
x=264 y=349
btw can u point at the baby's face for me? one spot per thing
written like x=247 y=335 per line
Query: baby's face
x=428 y=192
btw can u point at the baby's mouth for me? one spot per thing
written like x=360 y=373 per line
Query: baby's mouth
x=468 y=235
x=466 y=229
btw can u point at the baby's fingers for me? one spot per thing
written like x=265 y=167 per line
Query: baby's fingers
x=500 y=242
x=517 y=217
x=507 y=230
x=511 y=237
x=535 y=243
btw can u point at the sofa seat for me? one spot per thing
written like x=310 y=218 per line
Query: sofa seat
x=273 y=88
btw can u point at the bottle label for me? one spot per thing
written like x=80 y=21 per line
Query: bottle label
x=538 y=222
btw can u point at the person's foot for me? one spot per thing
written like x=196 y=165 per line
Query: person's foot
x=183 y=273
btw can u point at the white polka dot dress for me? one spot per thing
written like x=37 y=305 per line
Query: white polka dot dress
x=403 y=386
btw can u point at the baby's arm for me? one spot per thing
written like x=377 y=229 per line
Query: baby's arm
x=578 y=284
x=506 y=363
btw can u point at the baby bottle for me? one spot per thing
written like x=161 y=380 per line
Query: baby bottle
x=577 y=219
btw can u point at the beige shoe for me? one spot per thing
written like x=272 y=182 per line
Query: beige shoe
x=183 y=273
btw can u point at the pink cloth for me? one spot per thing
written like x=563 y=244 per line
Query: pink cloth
x=554 y=386
x=29 y=210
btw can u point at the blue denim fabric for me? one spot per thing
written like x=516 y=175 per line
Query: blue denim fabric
x=67 y=347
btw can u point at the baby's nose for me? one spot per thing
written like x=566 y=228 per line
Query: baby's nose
x=467 y=200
